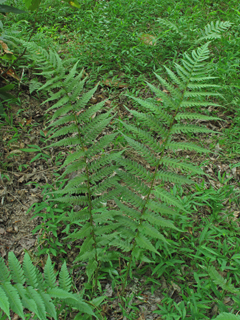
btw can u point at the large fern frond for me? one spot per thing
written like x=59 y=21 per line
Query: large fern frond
x=77 y=124
x=143 y=198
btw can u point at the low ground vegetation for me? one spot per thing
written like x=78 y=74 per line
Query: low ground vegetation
x=136 y=143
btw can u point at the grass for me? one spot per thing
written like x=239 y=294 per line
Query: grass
x=109 y=40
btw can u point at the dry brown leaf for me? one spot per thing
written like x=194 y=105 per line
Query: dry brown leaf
x=114 y=83
x=148 y=39
x=13 y=74
x=5 y=47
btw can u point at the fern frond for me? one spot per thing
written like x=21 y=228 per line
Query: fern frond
x=151 y=121
x=104 y=159
x=169 y=24
x=127 y=210
x=213 y=30
x=104 y=185
x=39 y=301
x=71 y=299
x=168 y=102
x=144 y=136
x=219 y=280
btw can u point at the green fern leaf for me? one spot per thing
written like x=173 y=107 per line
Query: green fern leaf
x=135 y=168
x=213 y=30
x=142 y=150
x=227 y=316
x=4 y=272
x=124 y=245
x=72 y=299
x=186 y=146
x=4 y=303
x=84 y=232
x=159 y=221
x=196 y=116
x=49 y=274
x=151 y=232
x=38 y=300
x=190 y=128
x=181 y=165
x=29 y=271
x=65 y=281
x=144 y=243
x=72 y=157
x=40 y=282
x=169 y=24
x=164 y=116
x=167 y=198
x=13 y=298
x=26 y=301
x=219 y=280
x=91 y=268
x=16 y=269
x=172 y=177
x=71 y=75
x=50 y=307
x=160 y=208
x=87 y=244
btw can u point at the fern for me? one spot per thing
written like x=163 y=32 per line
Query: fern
x=212 y=31
x=142 y=189
x=25 y=288
x=219 y=280
x=143 y=205
x=75 y=123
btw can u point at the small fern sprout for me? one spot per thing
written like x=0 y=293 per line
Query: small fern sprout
x=145 y=204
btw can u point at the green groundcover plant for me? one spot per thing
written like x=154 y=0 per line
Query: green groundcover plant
x=124 y=205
